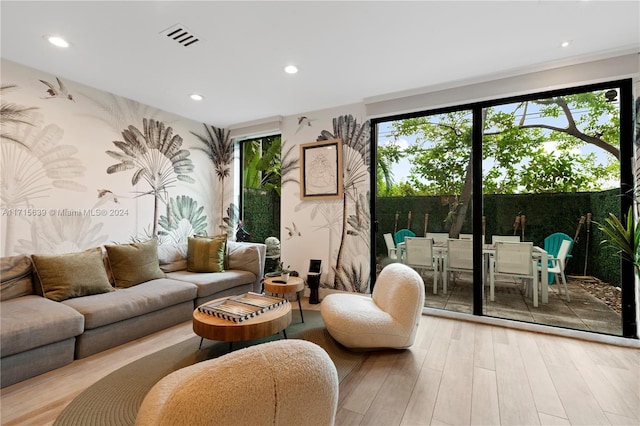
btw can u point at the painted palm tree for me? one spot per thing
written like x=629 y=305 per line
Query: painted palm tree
x=30 y=170
x=62 y=234
x=355 y=153
x=290 y=166
x=218 y=146
x=12 y=115
x=157 y=157
x=117 y=112
x=184 y=218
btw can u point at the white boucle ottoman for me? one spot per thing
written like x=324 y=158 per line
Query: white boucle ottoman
x=286 y=382
x=387 y=319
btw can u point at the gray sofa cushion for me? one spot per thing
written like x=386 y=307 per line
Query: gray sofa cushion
x=15 y=277
x=213 y=282
x=125 y=303
x=23 y=327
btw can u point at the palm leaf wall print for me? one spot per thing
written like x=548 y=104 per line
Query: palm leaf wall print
x=156 y=156
x=62 y=234
x=32 y=169
x=352 y=278
x=184 y=218
x=118 y=112
x=218 y=147
x=290 y=166
x=12 y=115
x=355 y=160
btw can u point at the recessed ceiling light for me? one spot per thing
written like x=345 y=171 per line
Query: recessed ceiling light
x=58 y=41
x=196 y=97
x=565 y=43
x=291 y=69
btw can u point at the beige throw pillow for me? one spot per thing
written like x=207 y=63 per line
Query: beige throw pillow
x=206 y=254
x=132 y=264
x=71 y=275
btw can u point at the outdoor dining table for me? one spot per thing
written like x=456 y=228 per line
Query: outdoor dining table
x=489 y=250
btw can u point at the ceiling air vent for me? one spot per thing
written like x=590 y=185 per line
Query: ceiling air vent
x=181 y=35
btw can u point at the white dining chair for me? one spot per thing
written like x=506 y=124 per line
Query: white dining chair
x=556 y=267
x=392 y=251
x=419 y=255
x=512 y=259
x=438 y=237
x=505 y=238
x=459 y=258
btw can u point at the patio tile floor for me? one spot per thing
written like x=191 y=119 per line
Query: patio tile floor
x=583 y=312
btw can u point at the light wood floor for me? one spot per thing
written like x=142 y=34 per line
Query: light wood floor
x=457 y=373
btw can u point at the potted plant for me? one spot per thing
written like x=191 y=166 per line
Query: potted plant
x=624 y=236
x=284 y=272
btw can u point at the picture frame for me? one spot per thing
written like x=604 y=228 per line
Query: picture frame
x=321 y=170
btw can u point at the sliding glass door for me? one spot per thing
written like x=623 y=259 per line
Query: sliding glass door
x=551 y=172
x=541 y=172
x=424 y=191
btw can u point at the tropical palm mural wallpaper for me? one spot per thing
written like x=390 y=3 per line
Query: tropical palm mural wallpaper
x=338 y=229
x=80 y=167
x=218 y=147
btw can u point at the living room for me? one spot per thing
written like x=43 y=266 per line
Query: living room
x=73 y=195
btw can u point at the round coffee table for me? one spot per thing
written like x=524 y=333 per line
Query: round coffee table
x=267 y=323
x=277 y=285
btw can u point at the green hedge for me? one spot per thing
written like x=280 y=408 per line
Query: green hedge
x=261 y=214
x=545 y=214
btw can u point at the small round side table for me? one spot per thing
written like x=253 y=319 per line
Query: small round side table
x=277 y=285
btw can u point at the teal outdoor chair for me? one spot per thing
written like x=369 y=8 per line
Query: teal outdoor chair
x=552 y=245
x=399 y=236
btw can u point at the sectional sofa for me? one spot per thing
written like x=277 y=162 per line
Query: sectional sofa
x=117 y=294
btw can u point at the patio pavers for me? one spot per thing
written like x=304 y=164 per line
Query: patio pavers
x=583 y=312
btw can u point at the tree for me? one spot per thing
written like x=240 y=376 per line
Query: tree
x=386 y=156
x=514 y=156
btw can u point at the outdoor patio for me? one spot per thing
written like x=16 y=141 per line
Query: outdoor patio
x=583 y=312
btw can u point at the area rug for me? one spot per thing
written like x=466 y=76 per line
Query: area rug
x=116 y=398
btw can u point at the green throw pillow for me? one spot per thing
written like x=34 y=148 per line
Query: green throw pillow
x=206 y=254
x=71 y=275
x=132 y=264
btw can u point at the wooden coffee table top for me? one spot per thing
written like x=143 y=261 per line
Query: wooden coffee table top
x=267 y=323
x=293 y=285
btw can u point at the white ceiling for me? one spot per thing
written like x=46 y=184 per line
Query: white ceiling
x=347 y=52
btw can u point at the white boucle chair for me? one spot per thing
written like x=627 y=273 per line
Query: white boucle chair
x=286 y=382
x=387 y=319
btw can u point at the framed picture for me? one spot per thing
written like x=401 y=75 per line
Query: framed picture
x=321 y=170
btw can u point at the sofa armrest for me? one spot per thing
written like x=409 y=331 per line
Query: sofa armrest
x=248 y=257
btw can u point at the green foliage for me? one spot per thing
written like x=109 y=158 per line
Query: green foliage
x=623 y=236
x=262 y=163
x=261 y=214
x=514 y=157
